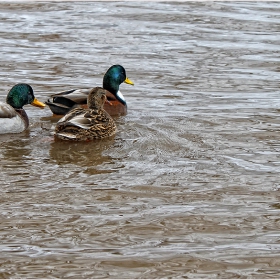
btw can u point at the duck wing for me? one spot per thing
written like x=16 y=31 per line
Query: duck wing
x=7 y=111
x=61 y=103
x=10 y=120
x=78 y=96
x=82 y=124
x=82 y=118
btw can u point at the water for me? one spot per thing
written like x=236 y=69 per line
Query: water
x=189 y=186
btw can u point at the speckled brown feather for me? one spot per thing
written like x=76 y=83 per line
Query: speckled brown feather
x=87 y=124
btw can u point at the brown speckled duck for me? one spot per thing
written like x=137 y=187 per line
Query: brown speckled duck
x=82 y=124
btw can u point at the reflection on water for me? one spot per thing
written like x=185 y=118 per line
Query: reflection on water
x=188 y=187
x=88 y=154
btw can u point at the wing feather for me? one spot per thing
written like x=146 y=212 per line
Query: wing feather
x=7 y=111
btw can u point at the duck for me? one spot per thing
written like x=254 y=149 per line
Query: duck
x=86 y=124
x=13 y=118
x=61 y=103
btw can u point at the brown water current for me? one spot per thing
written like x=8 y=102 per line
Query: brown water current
x=189 y=186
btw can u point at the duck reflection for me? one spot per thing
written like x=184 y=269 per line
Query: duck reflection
x=84 y=154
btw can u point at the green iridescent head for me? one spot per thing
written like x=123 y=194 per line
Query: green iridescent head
x=112 y=80
x=20 y=95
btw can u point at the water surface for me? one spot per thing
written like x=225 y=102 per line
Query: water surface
x=189 y=186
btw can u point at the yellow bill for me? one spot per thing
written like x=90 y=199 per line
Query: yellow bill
x=38 y=103
x=127 y=81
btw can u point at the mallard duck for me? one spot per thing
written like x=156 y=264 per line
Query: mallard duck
x=82 y=124
x=61 y=103
x=13 y=118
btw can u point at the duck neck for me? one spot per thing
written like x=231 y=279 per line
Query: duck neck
x=24 y=116
x=120 y=98
x=117 y=94
x=113 y=87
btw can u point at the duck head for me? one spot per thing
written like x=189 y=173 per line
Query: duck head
x=22 y=94
x=115 y=76
x=96 y=98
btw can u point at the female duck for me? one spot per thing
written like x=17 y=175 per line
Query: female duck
x=82 y=124
x=13 y=118
x=63 y=102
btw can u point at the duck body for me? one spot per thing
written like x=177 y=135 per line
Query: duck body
x=13 y=118
x=12 y=121
x=63 y=102
x=82 y=124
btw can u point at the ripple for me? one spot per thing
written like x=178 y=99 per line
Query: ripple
x=190 y=178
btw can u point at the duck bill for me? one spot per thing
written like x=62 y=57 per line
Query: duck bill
x=127 y=81
x=38 y=103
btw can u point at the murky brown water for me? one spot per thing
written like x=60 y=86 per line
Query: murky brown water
x=189 y=187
